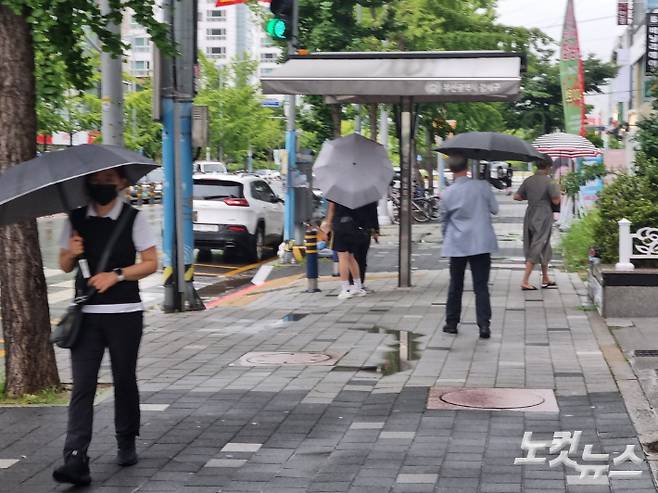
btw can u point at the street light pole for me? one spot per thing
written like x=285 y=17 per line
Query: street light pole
x=111 y=88
x=291 y=139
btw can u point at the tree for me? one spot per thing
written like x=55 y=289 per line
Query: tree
x=539 y=108
x=141 y=133
x=238 y=121
x=50 y=34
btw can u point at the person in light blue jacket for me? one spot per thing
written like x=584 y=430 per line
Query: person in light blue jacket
x=468 y=238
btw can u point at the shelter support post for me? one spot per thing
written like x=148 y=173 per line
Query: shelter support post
x=406 y=173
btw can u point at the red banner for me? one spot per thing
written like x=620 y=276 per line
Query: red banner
x=623 y=13
x=226 y=3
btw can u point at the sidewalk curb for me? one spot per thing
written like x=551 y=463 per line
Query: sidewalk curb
x=642 y=415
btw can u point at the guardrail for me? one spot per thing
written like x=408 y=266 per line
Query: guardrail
x=643 y=244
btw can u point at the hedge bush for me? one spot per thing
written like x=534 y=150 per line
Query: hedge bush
x=576 y=243
x=634 y=197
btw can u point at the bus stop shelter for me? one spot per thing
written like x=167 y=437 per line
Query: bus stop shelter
x=405 y=79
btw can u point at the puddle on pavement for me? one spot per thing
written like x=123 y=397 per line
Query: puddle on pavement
x=401 y=355
x=294 y=317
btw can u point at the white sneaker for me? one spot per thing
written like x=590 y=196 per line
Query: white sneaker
x=358 y=292
x=344 y=295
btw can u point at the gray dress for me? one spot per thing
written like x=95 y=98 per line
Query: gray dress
x=538 y=223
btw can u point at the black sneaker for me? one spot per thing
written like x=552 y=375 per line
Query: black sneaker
x=485 y=332
x=450 y=329
x=75 y=470
x=127 y=457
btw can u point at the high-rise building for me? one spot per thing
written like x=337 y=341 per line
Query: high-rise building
x=223 y=34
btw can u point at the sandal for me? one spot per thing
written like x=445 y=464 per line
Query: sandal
x=548 y=285
x=531 y=288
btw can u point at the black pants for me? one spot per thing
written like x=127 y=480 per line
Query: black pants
x=121 y=333
x=480 y=268
x=361 y=254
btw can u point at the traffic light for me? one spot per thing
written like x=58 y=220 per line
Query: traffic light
x=280 y=26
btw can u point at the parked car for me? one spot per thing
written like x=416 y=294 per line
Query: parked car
x=210 y=167
x=236 y=213
x=148 y=189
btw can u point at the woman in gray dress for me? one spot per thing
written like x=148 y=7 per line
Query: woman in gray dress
x=540 y=190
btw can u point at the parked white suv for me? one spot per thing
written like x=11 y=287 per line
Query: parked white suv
x=239 y=213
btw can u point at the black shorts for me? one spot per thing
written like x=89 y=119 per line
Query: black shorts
x=347 y=237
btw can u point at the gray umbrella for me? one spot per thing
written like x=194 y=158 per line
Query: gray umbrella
x=491 y=146
x=353 y=171
x=55 y=181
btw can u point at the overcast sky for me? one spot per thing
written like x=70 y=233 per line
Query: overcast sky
x=596 y=36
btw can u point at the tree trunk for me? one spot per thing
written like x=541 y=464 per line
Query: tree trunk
x=337 y=119
x=30 y=360
x=429 y=158
x=372 y=113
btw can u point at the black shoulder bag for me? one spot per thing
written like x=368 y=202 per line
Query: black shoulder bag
x=66 y=333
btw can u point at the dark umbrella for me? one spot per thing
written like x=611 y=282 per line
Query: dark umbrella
x=55 y=181
x=491 y=146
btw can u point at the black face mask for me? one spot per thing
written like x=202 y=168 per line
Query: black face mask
x=102 y=194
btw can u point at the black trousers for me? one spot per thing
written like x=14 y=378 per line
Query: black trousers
x=122 y=334
x=480 y=267
x=361 y=254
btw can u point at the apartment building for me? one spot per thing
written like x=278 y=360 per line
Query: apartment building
x=223 y=33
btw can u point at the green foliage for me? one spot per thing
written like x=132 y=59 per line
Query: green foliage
x=572 y=181
x=141 y=133
x=595 y=139
x=576 y=243
x=237 y=118
x=539 y=108
x=59 y=30
x=632 y=197
x=646 y=160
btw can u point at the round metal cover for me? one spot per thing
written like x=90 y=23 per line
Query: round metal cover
x=493 y=398
x=284 y=358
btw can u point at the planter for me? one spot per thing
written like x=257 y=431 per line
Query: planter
x=624 y=294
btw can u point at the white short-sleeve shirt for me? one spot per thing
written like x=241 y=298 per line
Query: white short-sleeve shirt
x=143 y=239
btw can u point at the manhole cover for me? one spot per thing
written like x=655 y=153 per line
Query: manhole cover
x=492 y=398
x=281 y=358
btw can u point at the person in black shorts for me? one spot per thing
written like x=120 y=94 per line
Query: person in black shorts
x=367 y=224
x=346 y=237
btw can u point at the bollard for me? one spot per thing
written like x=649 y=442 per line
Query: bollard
x=311 y=243
x=335 y=272
x=625 y=246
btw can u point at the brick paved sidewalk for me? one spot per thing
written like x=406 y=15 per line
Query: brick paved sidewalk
x=363 y=424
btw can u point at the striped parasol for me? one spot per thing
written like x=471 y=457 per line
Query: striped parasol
x=565 y=145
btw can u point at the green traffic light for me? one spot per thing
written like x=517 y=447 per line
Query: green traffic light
x=277 y=28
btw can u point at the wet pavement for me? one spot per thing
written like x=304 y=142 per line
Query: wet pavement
x=279 y=390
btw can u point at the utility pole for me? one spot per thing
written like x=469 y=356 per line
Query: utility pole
x=177 y=90
x=111 y=88
x=357 y=107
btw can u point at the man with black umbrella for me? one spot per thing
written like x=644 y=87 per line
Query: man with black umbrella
x=468 y=238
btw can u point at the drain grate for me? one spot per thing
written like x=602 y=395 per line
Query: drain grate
x=646 y=353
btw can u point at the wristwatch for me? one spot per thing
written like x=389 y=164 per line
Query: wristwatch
x=119 y=273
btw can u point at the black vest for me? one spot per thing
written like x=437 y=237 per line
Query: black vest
x=96 y=233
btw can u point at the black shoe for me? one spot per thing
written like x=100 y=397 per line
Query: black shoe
x=127 y=457
x=450 y=329
x=75 y=470
x=485 y=332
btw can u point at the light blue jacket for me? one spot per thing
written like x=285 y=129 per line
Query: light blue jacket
x=466 y=208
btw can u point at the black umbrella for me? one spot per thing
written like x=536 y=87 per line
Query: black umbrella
x=55 y=181
x=491 y=146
